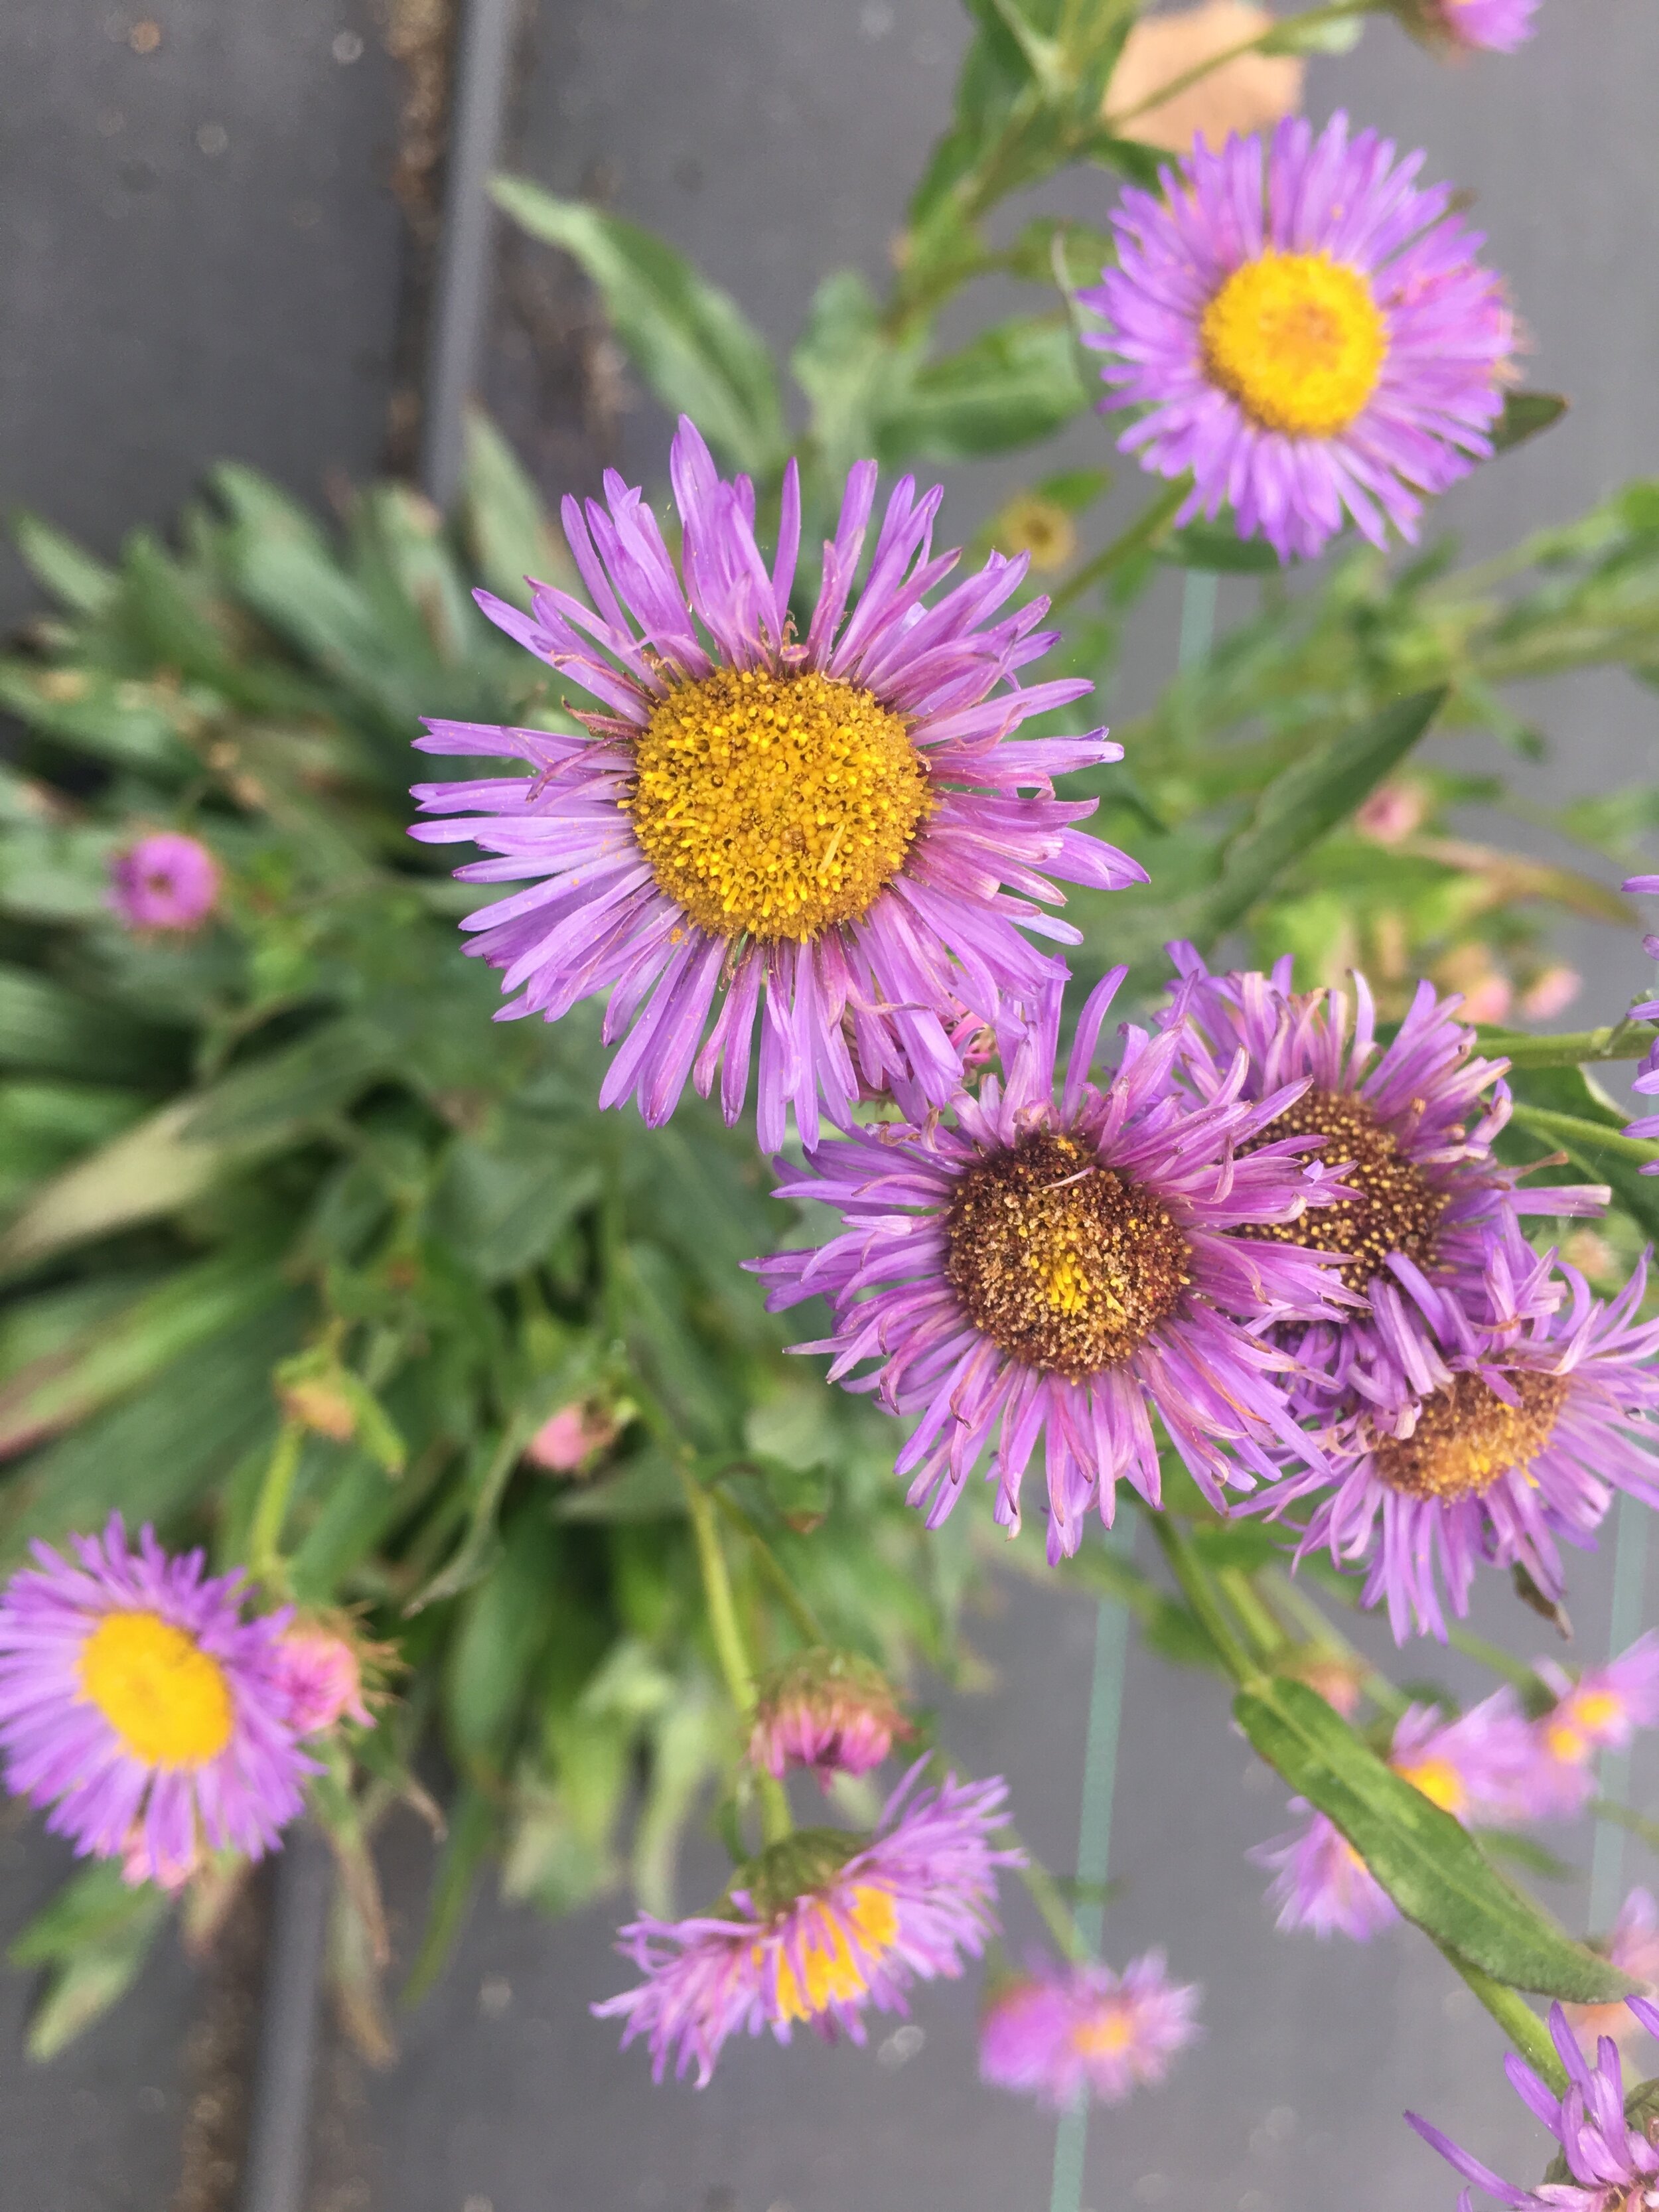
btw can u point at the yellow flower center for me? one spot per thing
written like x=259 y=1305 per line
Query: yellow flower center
x=165 y=1698
x=1467 y=1439
x=1579 y=1723
x=830 y=1970
x=1059 y=1260
x=1298 y=340
x=1439 y=1781
x=775 y=804
x=1104 y=2038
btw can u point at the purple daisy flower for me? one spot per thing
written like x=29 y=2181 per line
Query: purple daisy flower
x=1607 y=2163
x=1493 y=26
x=845 y=820
x=1062 y=2032
x=1484 y=1768
x=1602 y=1708
x=1410 y=1132
x=164 y=882
x=820 y=1928
x=1305 y=332
x=1633 y=1947
x=141 y=1711
x=1058 y=1264
x=1522 y=1447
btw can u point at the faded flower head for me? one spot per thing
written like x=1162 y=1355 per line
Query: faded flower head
x=1058 y=2032
x=142 y=1711
x=1608 y=2164
x=1057 y=1264
x=166 y=881
x=835 y=835
x=569 y=1440
x=1247 y=93
x=821 y=1928
x=1306 y=332
x=319 y=1667
x=829 y=1711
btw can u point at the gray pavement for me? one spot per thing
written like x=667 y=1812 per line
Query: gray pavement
x=165 y=303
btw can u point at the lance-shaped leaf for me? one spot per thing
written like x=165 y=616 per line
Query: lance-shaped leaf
x=1525 y=414
x=92 y=1939
x=1429 y=1864
x=691 y=340
x=1014 y=383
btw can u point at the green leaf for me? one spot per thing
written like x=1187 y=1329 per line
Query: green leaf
x=83 y=584
x=505 y=1204
x=691 y=340
x=92 y=1938
x=42 y=1025
x=1525 y=414
x=129 y=723
x=1307 y=799
x=850 y=371
x=1013 y=384
x=506 y=526
x=1429 y=1865
x=505 y=1622
x=471 y=1832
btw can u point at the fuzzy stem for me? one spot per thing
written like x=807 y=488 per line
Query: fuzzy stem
x=775 y=1821
x=1626 y=1040
x=265 y=1534
x=1517 y=2020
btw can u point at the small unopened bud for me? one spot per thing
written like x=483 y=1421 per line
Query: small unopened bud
x=828 y=1710
x=320 y=1671
x=1549 y=993
x=573 y=1436
x=1393 y=812
x=1340 y=1681
x=316 y=1403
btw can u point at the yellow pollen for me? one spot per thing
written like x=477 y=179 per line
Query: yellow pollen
x=1439 y=1781
x=829 y=1967
x=777 y=806
x=1579 y=1722
x=1114 y=2031
x=1468 y=1438
x=1298 y=340
x=165 y=1698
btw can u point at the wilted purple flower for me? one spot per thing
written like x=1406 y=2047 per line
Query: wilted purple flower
x=837 y=818
x=1486 y=1769
x=1409 y=1131
x=1060 y=2033
x=1058 y=1265
x=166 y=881
x=320 y=1673
x=1633 y=1947
x=1497 y=27
x=820 y=1928
x=142 y=1711
x=1609 y=2163
x=1305 y=332
x=1520 y=1448
x=829 y=1711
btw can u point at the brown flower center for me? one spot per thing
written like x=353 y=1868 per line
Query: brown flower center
x=1061 y=1261
x=1468 y=1438
x=1397 y=1209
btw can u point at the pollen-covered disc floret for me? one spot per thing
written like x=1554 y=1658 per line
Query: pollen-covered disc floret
x=1059 y=2033
x=1057 y=1263
x=1519 y=1448
x=839 y=835
x=141 y=1710
x=1609 y=2163
x=821 y=1929
x=1407 y=1133
x=1306 y=332
x=775 y=806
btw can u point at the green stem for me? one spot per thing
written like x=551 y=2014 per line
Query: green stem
x=1264 y=1632
x=1148 y=526
x=1626 y=1040
x=1194 y=1584
x=1530 y=1684
x=1314 y=19
x=1294 y=1602
x=775 y=1821
x=1046 y=1894
x=794 y=1603
x=1517 y=2020
x=1609 y=1808
x=265 y=1535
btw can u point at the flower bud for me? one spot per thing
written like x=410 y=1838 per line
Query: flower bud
x=576 y=1434
x=321 y=1672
